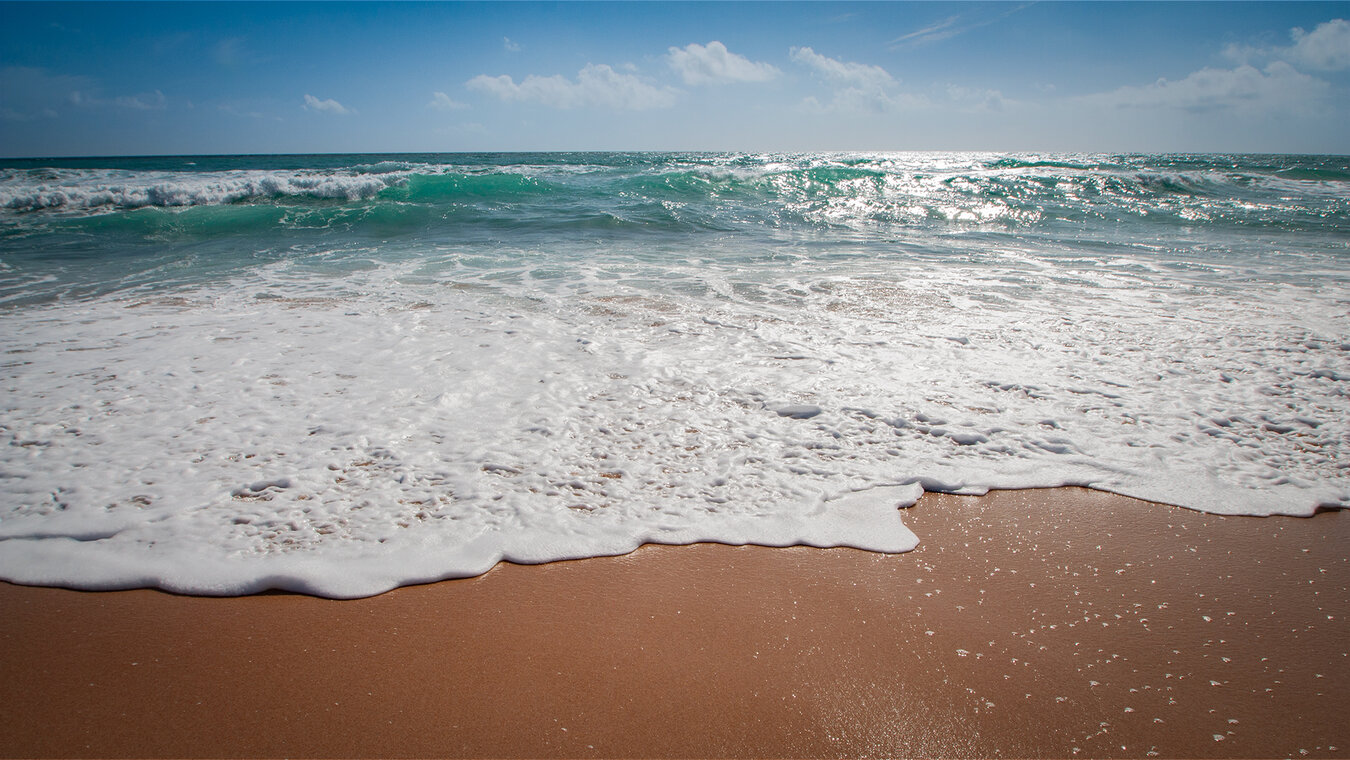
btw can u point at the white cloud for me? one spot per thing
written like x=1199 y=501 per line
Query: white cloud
x=858 y=86
x=714 y=64
x=1243 y=88
x=596 y=85
x=442 y=102
x=511 y=47
x=1325 y=48
x=861 y=75
x=325 y=106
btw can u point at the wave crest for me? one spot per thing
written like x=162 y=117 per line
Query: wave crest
x=94 y=191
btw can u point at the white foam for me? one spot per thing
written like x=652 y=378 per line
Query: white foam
x=344 y=444
x=92 y=190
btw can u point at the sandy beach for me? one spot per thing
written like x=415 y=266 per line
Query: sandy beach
x=595 y=380
x=1050 y=623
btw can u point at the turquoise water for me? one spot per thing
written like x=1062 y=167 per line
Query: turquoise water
x=93 y=226
x=340 y=374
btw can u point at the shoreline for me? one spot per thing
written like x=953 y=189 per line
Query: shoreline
x=1058 y=623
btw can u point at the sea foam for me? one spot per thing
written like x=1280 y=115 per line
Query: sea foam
x=226 y=443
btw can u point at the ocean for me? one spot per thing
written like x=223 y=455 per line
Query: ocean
x=340 y=374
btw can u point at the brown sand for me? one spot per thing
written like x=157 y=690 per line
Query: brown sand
x=1033 y=623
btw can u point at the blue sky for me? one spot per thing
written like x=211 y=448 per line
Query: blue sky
x=114 y=78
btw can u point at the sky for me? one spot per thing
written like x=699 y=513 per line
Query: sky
x=169 y=78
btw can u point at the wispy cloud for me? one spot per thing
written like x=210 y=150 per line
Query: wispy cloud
x=28 y=93
x=146 y=101
x=32 y=93
x=951 y=26
x=230 y=51
x=944 y=29
x=442 y=102
x=975 y=99
x=325 y=106
x=11 y=114
x=234 y=109
x=511 y=47
x=595 y=85
x=714 y=64
x=172 y=43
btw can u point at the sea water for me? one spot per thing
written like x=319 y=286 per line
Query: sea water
x=341 y=374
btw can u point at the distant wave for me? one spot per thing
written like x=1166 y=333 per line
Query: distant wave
x=110 y=191
x=724 y=192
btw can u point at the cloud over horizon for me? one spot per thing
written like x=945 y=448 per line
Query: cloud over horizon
x=595 y=85
x=1208 y=89
x=714 y=64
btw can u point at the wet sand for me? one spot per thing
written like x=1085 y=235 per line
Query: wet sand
x=1053 y=623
